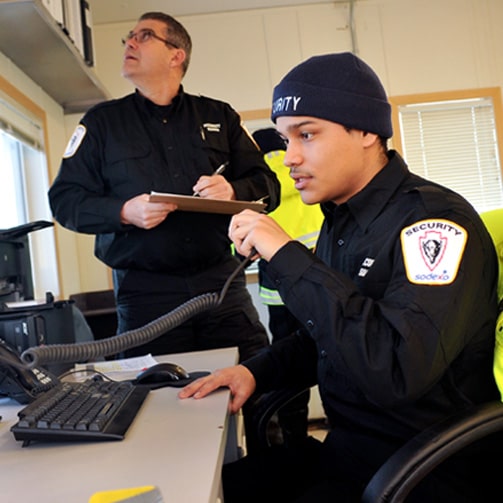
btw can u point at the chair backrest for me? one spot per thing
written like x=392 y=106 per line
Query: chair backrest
x=99 y=311
x=494 y=222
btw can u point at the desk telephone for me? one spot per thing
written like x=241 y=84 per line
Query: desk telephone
x=17 y=381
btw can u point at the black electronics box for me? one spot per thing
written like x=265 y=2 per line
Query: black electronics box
x=25 y=322
x=24 y=325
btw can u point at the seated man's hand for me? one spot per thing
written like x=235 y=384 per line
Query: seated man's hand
x=238 y=379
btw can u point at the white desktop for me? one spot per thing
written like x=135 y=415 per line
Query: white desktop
x=176 y=445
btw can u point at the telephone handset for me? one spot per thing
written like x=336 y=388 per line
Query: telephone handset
x=19 y=382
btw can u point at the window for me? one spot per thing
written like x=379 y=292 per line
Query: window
x=23 y=191
x=454 y=139
x=12 y=210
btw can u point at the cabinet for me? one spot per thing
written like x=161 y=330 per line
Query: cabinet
x=36 y=43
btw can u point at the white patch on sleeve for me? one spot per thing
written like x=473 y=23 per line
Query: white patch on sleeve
x=432 y=251
x=75 y=141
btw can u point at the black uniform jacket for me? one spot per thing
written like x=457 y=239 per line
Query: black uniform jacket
x=390 y=356
x=130 y=146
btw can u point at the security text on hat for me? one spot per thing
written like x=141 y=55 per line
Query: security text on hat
x=286 y=104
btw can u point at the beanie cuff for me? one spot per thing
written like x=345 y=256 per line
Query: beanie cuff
x=293 y=98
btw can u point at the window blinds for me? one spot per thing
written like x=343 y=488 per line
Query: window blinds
x=454 y=143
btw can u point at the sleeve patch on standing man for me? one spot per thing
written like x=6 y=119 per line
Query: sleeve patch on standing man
x=75 y=141
x=432 y=251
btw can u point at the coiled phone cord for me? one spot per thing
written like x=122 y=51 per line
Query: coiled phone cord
x=89 y=351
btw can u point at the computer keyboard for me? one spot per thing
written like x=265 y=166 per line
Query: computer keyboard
x=95 y=409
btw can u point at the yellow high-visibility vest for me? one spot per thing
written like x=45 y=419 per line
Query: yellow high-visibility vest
x=301 y=221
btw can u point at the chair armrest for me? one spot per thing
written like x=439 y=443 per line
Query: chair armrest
x=419 y=456
x=264 y=408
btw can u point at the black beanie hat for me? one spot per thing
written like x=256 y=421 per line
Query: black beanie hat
x=269 y=140
x=336 y=87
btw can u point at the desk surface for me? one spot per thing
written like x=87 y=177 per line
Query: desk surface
x=176 y=445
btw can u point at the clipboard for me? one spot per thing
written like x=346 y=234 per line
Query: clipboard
x=201 y=204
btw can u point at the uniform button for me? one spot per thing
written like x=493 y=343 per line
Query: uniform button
x=187 y=240
x=340 y=242
x=277 y=282
x=323 y=353
x=310 y=323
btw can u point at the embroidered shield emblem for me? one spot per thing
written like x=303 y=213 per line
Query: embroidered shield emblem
x=432 y=251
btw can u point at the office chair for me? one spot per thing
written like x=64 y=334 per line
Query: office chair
x=410 y=464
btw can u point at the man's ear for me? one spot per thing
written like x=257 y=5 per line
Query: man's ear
x=369 y=138
x=178 y=58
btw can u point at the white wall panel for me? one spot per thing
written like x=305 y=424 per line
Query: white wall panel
x=229 y=58
x=282 y=35
x=443 y=47
x=109 y=53
x=324 y=29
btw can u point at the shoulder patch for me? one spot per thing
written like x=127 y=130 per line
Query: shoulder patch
x=432 y=251
x=75 y=141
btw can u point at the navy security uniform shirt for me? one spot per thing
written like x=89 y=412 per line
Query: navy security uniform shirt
x=390 y=352
x=126 y=147
x=130 y=146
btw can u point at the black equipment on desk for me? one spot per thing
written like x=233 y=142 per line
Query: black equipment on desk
x=29 y=324
x=95 y=409
x=17 y=381
x=16 y=281
x=68 y=411
x=24 y=322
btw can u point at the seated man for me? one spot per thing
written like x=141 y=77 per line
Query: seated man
x=397 y=334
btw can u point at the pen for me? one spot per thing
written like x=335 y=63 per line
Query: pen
x=221 y=168
x=218 y=171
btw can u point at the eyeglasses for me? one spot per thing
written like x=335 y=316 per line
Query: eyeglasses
x=144 y=35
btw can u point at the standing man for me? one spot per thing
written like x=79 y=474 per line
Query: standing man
x=396 y=337
x=162 y=139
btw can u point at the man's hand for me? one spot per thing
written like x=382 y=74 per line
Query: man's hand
x=214 y=187
x=141 y=212
x=251 y=230
x=238 y=379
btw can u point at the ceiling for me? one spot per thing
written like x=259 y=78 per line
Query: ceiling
x=117 y=11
